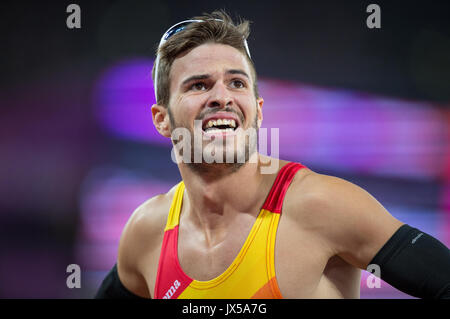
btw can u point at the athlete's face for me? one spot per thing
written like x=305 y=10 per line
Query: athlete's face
x=213 y=82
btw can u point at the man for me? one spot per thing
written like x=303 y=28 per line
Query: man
x=229 y=230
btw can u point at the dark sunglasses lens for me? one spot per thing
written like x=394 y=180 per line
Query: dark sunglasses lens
x=176 y=29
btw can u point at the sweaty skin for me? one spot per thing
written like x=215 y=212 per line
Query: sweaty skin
x=336 y=227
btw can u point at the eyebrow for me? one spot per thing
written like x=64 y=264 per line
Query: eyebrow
x=207 y=76
x=236 y=71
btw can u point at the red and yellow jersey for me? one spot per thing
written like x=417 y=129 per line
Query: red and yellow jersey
x=250 y=275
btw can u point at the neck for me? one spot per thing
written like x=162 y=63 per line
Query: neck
x=217 y=197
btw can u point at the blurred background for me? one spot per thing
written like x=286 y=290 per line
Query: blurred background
x=79 y=151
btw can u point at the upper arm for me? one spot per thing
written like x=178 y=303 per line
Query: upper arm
x=351 y=221
x=128 y=257
x=136 y=242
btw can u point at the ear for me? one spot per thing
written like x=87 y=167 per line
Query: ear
x=259 y=105
x=161 y=120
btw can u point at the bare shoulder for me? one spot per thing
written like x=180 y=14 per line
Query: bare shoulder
x=139 y=238
x=353 y=223
x=148 y=218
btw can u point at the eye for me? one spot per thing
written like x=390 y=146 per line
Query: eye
x=238 y=84
x=198 y=86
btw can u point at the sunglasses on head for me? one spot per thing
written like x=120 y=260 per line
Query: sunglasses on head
x=180 y=26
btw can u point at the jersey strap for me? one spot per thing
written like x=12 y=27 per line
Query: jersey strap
x=274 y=201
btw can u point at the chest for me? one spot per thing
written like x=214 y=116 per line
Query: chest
x=204 y=258
x=300 y=259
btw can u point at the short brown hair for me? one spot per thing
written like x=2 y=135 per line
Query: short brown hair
x=195 y=34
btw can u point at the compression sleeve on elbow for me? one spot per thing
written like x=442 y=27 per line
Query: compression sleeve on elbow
x=112 y=287
x=415 y=263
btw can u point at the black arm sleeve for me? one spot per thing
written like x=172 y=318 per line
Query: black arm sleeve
x=415 y=263
x=112 y=288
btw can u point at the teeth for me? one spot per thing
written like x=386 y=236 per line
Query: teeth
x=217 y=130
x=213 y=123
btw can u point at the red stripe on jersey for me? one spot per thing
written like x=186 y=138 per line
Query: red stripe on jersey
x=274 y=201
x=171 y=281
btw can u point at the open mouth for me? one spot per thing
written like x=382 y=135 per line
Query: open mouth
x=220 y=125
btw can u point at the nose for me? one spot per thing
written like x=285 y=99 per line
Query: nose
x=220 y=96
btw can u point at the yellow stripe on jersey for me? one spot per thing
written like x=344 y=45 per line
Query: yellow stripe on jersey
x=175 y=207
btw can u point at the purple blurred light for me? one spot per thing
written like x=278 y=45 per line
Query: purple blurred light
x=123 y=98
x=108 y=197
x=346 y=130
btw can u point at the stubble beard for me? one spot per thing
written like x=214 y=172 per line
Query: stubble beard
x=218 y=169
